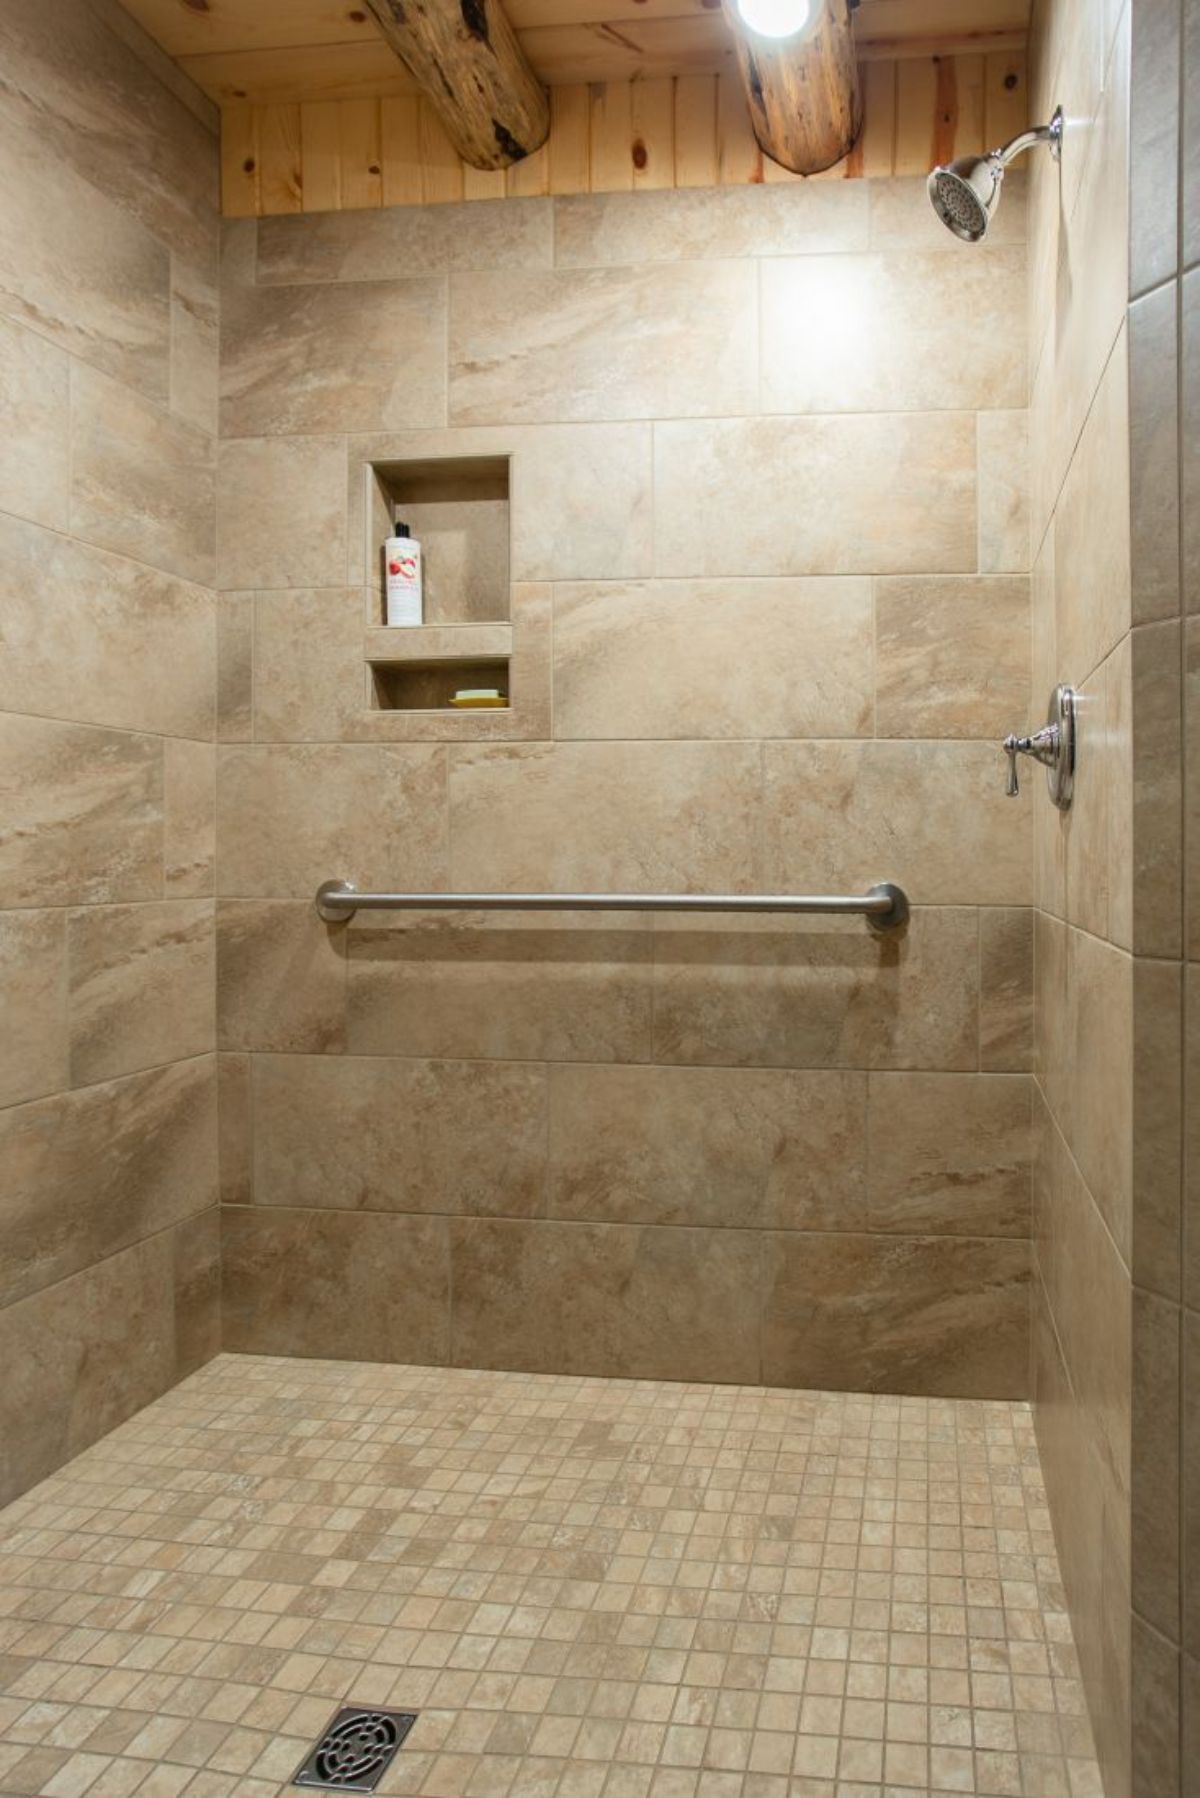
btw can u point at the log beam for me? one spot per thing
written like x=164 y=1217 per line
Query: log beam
x=467 y=59
x=803 y=92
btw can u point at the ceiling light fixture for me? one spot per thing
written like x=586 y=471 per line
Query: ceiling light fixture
x=778 y=18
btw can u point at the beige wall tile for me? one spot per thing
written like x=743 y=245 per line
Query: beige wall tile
x=355 y=1133
x=141 y=480
x=1006 y=989
x=1191 y=1143
x=141 y=986
x=189 y=823
x=235 y=667
x=292 y=816
x=901 y=217
x=310 y=680
x=708 y=1146
x=369 y=356
x=235 y=1129
x=195 y=344
x=281 y=978
x=402 y=241
x=1154 y=455
x=1154 y=162
x=695 y=659
x=281 y=503
x=822 y=495
x=1004 y=525
x=80 y=813
x=932 y=817
x=1154 y=1701
x=952 y=656
x=197 y=1294
x=66 y=1206
x=33 y=980
x=1091 y=535
x=675 y=341
x=949 y=1154
x=1148 y=853
x=34 y=453
x=1158 y=1124
x=605 y=1299
x=597 y=817
x=82 y=1356
x=690 y=225
x=809 y=993
x=1190 y=1452
x=325 y=1283
x=872 y=342
x=1157 y=1364
x=1084 y=830
x=509 y=986
x=101 y=639
x=909 y=1314
x=1189 y=438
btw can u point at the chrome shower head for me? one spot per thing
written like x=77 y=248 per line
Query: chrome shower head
x=965 y=193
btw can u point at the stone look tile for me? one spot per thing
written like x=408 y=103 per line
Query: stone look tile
x=808 y=993
x=932 y=817
x=510 y=986
x=605 y=1298
x=968 y=351
x=309 y=679
x=674 y=341
x=403 y=241
x=33 y=1044
x=1154 y=455
x=901 y=217
x=368 y=356
x=235 y=1141
x=195 y=345
x=1003 y=447
x=1190 y=1350
x=197 y=1296
x=1189 y=437
x=1006 y=989
x=235 y=667
x=700 y=1146
x=281 y=504
x=189 y=823
x=100 y=639
x=1159 y=1122
x=949 y=1154
x=820 y=495
x=34 y=454
x=353 y=1133
x=1155 y=1461
x=952 y=656
x=141 y=986
x=142 y=481
x=281 y=978
x=325 y=1282
x=624 y=230
x=1147 y=855
x=863 y=1314
x=704 y=658
x=80 y=813
x=65 y=1207
x=292 y=816
x=1092 y=533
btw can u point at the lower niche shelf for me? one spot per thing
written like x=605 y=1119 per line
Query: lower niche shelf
x=421 y=668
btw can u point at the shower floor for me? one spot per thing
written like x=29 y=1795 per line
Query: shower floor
x=585 y=1587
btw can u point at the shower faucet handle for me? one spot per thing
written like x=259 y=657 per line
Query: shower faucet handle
x=1042 y=746
x=1053 y=745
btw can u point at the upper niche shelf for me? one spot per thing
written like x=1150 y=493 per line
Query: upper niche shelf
x=458 y=510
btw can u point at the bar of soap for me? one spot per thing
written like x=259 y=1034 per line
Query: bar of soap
x=479 y=696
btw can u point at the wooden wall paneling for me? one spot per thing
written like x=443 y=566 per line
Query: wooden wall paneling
x=916 y=109
x=570 y=140
x=739 y=159
x=1006 y=97
x=696 y=130
x=441 y=166
x=240 y=195
x=280 y=172
x=610 y=136
x=653 y=127
x=320 y=156
x=362 y=153
x=400 y=147
x=311 y=72
x=531 y=176
x=875 y=152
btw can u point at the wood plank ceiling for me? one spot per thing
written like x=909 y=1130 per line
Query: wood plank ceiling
x=272 y=51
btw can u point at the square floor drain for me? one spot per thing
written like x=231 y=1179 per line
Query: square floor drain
x=356 y=1750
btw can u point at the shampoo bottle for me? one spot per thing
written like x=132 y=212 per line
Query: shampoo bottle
x=402 y=562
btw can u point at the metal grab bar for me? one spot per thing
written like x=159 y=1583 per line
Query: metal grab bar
x=885 y=907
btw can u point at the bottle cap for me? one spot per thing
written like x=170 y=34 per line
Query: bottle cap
x=401 y=529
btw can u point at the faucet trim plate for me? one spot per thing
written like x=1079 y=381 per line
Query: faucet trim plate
x=1054 y=746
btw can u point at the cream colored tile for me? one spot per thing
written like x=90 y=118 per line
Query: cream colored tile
x=1146 y=843
x=367 y=356
x=708 y=1146
x=281 y=504
x=281 y=978
x=34 y=454
x=81 y=813
x=1004 y=524
x=675 y=341
x=705 y=658
x=142 y=481
x=1189 y=437
x=189 y=821
x=142 y=986
x=1091 y=534
x=235 y=667
x=357 y=1133
x=1005 y=988
x=933 y=817
x=33 y=1048
x=197 y=1291
x=1154 y=163
x=235 y=1136
x=195 y=344
x=403 y=241
x=292 y=816
x=1159 y=1120
x=901 y=217
x=951 y=656
x=309 y=676
x=691 y=225
x=949 y=1154
x=1154 y=455
x=823 y=495
x=858 y=333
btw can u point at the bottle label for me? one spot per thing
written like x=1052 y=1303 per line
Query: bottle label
x=402 y=565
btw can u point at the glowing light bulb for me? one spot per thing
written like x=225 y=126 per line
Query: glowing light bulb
x=776 y=18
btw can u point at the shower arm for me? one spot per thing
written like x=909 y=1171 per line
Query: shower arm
x=1027 y=140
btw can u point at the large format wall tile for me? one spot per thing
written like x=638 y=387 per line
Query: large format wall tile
x=281 y=978
x=769 y=658
x=33 y=989
x=952 y=657
x=368 y=356
x=65 y=1205
x=142 y=986
x=823 y=349
x=35 y=449
x=342 y=1285
x=1006 y=989
x=141 y=480
x=102 y=639
x=1091 y=533
x=913 y=1314
x=403 y=241
x=629 y=230
x=819 y=495
x=189 y=818
x=708 y=1146
x=510 y=986
x=675 y=341
x=948 y=1154
x=282 y=507
x=355 y=1133
x=1003 y=440
x=80 y=813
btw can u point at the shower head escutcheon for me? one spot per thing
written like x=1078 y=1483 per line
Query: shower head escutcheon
x=965 y=193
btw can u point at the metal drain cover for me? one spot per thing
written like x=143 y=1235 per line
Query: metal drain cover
x=356 y=1749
